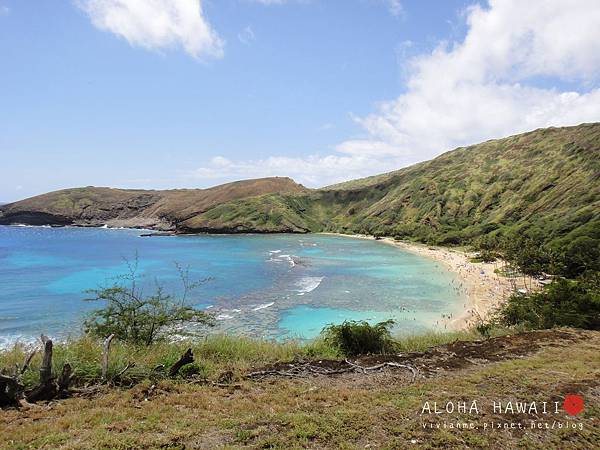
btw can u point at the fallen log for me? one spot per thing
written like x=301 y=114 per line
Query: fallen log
x=186 y=358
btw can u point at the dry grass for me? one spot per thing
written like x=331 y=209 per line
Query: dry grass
x=323 y=412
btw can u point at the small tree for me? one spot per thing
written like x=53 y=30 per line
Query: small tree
x=134 y=317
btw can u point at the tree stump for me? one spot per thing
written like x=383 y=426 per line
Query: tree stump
x=47 y=389
x=10 y=391
x=186 y=358
x=64 y=381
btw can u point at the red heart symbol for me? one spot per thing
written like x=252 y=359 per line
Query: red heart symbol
x=573 y=404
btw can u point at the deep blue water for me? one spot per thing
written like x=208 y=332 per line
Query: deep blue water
x=274 y=286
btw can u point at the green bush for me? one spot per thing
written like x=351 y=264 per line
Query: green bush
x=359 y=337
x=562 y=303
x=581 y=256
x=192 y=370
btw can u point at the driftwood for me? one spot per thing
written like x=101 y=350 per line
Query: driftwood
x=186 y=358
x=305 y=369
x=105 y=352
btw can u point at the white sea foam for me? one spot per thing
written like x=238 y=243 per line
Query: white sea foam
x=223 y=317
x=290 y=259
x=308 y=284
x=24 y=225
x=274 y=251
x=263 y=306
x=7 y=342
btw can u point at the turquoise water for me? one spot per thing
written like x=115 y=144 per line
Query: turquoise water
x=273 y=286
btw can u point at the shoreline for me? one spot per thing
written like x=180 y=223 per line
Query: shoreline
x=484 y=289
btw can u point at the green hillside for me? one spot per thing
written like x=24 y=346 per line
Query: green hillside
x=545 y=182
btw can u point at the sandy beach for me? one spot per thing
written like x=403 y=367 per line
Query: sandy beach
x=484 y=289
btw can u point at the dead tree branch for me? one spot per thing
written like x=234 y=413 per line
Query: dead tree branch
x=105 y=352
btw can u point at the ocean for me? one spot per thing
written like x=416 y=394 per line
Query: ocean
x=265 y=286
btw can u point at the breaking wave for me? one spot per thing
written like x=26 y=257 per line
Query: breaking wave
x=308 y=284
x=263 y=306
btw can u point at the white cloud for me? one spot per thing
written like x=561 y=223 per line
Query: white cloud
x=156 y=24
x=507 y=76
x=483 y=87
x=311 y=170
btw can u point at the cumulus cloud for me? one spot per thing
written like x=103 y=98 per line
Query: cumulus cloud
x=156 y=24
x=506 y=76
x=489 y=86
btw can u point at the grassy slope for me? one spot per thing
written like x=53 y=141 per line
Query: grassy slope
x=547 y=181
x=379 y=411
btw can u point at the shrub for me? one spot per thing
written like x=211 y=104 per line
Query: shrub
x=359 y=337
x=485 y=328
x=191 y=370
x=562 y=303
x=137 y=318
x=580 y=256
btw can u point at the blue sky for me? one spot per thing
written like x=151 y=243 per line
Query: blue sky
x=100 y=92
